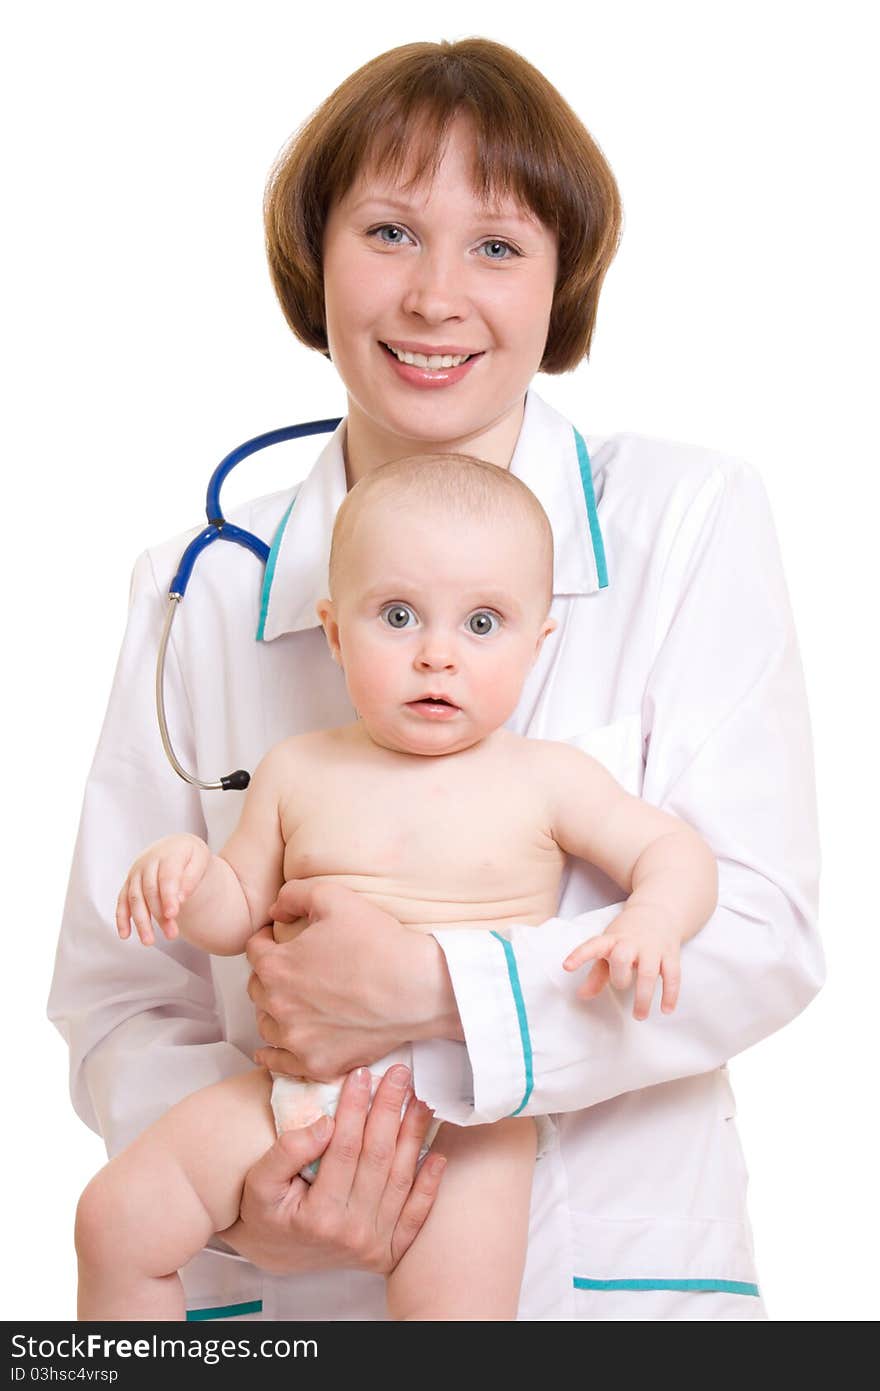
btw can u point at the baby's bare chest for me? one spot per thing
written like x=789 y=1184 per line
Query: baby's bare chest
x=448 y=845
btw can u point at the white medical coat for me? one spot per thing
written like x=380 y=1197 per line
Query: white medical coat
x=675 y=662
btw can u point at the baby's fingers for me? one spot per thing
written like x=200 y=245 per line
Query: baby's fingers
x=620 y=964
x=595 y=983
x=150 y=890
x=671 y=970
x=193 y=870
x=138 y=910
x=168 y=880
x=646 y=979
x=589 y=951
x=123 y=916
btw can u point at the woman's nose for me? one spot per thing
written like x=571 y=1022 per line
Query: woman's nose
x=435 y=291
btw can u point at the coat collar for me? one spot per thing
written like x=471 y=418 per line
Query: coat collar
x=550 y=458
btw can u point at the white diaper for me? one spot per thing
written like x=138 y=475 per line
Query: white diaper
x=297 y=1103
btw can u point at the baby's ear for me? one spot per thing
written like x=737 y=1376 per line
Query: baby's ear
x=547 y=627
x=324 y=610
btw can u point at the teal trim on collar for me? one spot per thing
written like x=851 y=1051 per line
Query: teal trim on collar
x=269 y=573
x=723 y=1286
x=520 y=1003
x=590 y=499
x=225 y=1311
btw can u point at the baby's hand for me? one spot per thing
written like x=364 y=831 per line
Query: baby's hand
x=638 y=938
x=158 y=883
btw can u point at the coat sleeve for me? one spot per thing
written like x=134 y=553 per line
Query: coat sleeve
x=728 y=749
x=141 y=1025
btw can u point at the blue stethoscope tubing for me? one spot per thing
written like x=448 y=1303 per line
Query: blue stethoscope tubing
x=219 y=529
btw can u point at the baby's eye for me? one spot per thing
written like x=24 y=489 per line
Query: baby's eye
x=496 y=250
x=399 y=616
x=483 y=622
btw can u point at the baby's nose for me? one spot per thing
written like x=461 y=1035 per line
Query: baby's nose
x=436 y=654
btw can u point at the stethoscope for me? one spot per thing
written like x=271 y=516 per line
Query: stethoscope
x=219 y=529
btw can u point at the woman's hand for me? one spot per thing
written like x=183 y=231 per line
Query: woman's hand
x=349 y=988
x=367 y=1203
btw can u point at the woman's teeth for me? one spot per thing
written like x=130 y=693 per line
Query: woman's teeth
x=432 y=363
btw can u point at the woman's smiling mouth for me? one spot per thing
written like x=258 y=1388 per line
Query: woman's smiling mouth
x=440 y=367
x=437 y=357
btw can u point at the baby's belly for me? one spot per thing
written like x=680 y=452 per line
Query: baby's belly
x=425 y=912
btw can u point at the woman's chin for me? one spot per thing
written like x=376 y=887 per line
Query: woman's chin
x=430 y=417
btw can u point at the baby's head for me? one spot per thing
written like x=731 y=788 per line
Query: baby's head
x=441 y=578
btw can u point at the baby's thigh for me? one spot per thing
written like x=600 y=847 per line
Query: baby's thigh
x=490 y=1168
x=212 y=1137
x=468 y=1260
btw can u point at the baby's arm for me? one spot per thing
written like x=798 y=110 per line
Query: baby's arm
x=667 y=869
x=215 y=901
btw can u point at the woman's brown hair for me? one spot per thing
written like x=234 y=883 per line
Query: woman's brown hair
x=394 y=113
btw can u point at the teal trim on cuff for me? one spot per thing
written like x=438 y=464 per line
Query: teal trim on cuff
x=269 y=573
x=590 y=499
x=520 y=1003
x=724 y=1286
x=225 y=1311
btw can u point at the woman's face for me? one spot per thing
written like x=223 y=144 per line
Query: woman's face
x=434 y=273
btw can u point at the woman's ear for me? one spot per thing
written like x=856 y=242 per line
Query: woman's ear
x=326 y=613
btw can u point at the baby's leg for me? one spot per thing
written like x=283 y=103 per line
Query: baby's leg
x=467 y=1262
x=156 y=1204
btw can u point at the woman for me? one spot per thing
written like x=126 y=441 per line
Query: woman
x=441 y=228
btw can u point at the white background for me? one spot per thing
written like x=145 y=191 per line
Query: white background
x=143 y=342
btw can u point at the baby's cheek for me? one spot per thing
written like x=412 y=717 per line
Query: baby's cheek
x=371 y=689
x=501 y=696
x=363 y=666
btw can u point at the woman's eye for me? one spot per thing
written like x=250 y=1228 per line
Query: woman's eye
x=498 y=250
x=390 y=234
x=483 y=622
x=399 y=616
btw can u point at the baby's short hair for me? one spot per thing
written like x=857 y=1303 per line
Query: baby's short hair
x=457 y=484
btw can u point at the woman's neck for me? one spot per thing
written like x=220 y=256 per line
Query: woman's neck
x=368 y=446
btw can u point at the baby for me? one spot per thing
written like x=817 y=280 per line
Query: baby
x=441 y=583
